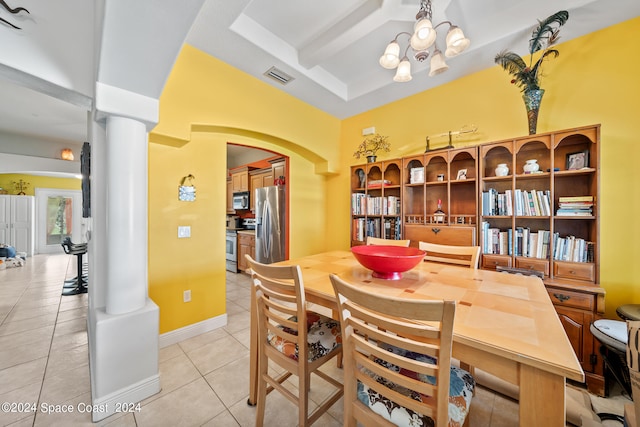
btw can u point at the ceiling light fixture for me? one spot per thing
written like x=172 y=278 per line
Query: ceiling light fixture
x=420 y=41
x=66 y=154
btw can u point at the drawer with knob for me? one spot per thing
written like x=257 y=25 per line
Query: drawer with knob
x=490 y=262
x=574 y=270
x=568 y=298
x=541 y=265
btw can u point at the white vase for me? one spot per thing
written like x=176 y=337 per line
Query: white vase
x=502 y=169
x=531 y=166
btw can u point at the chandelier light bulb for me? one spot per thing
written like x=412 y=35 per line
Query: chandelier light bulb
x=403 y=74
x=423 y=29
x=456 y=42
x=437 y=64
x=391 y=56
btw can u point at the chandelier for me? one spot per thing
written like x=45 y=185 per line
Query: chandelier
x=420 y=41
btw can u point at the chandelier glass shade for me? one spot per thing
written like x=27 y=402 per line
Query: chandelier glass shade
x=420 y=41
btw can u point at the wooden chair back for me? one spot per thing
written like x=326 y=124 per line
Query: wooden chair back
x=468 y=256
x=282 y=321
x=373 y=324
x=389 y=242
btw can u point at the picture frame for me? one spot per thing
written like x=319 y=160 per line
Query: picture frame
x=577 y=160
x=462 y=174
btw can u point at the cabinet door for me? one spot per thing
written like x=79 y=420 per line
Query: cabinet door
x=240 y=181
x=256 y=182
x=267 y=179
x=244 y=182
x=5 y=212
x=230 y=196
x=242 y=261
x=278 y=170
x=21 y=234
x=246 y=245
x=576 y=324
x=440 y=234
x=236 y=184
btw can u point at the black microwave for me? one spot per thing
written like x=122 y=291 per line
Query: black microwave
x=241 y=200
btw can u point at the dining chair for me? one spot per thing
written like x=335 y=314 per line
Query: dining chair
x=298 y=340
x=460 y=255
x=389 y=242
x=397 y=360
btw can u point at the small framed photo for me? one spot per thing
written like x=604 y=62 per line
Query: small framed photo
x=462 y=174
x=578 y=160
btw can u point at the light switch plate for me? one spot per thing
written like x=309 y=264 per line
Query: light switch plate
x=184 y=231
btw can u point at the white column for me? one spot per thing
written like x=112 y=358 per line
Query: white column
x=127 y=164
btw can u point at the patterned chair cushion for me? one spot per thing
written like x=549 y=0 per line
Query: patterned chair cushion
x=323 y=335
x=461 y=388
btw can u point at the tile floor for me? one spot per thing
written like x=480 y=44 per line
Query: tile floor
x=44 y=360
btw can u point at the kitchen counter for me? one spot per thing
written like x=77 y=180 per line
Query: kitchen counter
x=244 y=231
x=235 y=228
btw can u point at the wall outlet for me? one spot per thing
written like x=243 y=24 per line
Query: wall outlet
x=186 y=296
x=184 y=231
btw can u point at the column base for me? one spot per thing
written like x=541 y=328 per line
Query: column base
x=123 y=354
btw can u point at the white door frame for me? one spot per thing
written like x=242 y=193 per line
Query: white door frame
x=42 y=194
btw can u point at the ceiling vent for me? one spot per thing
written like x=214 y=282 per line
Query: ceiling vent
x=278 y=75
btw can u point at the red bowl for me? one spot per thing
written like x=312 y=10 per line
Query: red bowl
x=388 y=262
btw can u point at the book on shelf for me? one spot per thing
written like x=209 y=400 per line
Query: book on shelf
x=496 y=241
x=496 y=204
x=359 y=203
x=377 y=183
x=518 y=241
x=575 y=199
x=536 y=205
x=508 y=197
x=532 y=203
x=573 y=249
x=575 y=206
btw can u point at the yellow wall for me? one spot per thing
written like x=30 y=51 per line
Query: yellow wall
x=592 y=81
x=207 y=103
x=37 y=181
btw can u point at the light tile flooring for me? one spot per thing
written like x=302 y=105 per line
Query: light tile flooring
x=44 y=361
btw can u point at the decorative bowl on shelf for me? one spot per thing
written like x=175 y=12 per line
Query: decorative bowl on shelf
x=388 y=262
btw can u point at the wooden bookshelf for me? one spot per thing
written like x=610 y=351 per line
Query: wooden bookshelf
x=376 y=208
x=458 y=197
x=573 y=284
x=419 y=181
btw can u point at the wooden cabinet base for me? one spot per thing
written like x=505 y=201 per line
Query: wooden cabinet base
x=595 y=384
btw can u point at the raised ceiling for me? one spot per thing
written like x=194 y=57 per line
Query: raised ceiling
x=332 y=47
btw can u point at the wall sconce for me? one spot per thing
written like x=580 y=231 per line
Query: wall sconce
x=186 y=189
x=67 y=154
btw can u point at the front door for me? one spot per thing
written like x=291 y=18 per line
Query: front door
x=59 y=215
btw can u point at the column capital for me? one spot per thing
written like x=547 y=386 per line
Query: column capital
x=111 y=100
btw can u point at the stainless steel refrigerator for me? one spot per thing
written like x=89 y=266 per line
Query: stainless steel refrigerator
x=270 y=224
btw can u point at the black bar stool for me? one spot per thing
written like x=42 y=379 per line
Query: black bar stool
x=79 y=285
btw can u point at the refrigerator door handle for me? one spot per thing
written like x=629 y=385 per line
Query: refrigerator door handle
x=266 y=230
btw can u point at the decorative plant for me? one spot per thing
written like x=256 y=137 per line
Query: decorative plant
x=370 y=146
x=545 y=35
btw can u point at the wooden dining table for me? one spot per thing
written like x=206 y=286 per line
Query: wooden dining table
x=505 y=325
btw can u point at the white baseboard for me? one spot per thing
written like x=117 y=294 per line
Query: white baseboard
x=192 y=330
x=125 y=399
